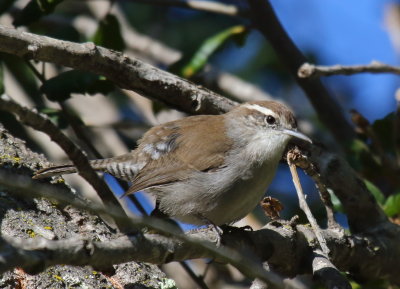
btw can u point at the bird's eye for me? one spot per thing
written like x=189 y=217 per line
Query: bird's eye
x=270 y=119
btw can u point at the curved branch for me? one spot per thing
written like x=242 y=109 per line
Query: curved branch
x=126 y=72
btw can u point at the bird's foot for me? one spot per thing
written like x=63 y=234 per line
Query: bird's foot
x=217 y=232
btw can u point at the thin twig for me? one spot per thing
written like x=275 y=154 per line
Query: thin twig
x=308 y=70
x=301 y=161
x=305 y=208
x=206 y=6
x=198 y=279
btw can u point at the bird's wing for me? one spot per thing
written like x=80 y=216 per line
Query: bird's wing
x=176 y=149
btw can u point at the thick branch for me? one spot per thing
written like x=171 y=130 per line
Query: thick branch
x=349 y=253
x=125 y=72
x=310 y=70
x=325 y=105
x=155 y=52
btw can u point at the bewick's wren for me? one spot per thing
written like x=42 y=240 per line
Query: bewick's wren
x=207 y=168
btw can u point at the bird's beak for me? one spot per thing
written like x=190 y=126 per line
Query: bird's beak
x=297 y=134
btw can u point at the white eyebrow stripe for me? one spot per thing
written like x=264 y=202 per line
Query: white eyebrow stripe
x=261 y=109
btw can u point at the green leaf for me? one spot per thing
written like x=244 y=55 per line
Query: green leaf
x=34 y=10
x=337 y=205
x=376 y=192
x=108 y=34
x=210 y=46
x=392 y=205
x=59 y=88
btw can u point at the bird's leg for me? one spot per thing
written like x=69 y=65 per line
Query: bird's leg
x=214 y=228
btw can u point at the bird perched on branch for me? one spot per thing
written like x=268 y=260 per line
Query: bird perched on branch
x=205 y=169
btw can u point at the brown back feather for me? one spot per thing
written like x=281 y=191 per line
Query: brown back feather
x=189 y=151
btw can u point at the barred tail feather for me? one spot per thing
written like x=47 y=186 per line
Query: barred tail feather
x=118 y=167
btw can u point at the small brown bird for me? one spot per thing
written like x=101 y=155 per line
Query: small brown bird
x=206 y=169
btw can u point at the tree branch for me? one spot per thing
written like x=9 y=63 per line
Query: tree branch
x=304 y=206
x=349 y=252
x=155 y=52
x=125 y=72
x=308 y=70
x=301 y=160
